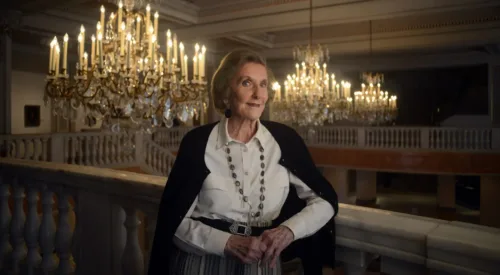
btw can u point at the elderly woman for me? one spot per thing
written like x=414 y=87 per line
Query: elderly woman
x=243 y=193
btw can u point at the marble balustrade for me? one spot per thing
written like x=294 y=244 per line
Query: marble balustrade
x=106 y=149
x=93 y=228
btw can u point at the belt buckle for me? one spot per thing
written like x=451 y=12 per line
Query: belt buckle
x=240 y=229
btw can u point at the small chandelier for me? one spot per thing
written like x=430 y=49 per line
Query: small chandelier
x=312 y=96
x=126 y=75
x=372 y=105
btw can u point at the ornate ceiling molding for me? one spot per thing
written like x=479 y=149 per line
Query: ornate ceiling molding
x=291 y=17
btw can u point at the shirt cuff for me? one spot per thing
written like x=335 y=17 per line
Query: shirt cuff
x=216 y=241
x=297 y=226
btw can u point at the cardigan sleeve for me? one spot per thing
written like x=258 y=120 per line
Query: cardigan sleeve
x=313 y=216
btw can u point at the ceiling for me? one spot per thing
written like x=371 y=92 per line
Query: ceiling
x=274 y=27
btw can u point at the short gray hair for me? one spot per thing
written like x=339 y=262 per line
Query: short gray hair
x=230 y=65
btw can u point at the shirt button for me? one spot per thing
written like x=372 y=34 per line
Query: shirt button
x=246 y=173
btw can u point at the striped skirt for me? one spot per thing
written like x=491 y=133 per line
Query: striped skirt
x=183 y=263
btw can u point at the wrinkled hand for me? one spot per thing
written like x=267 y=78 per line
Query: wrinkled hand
x=275 y=240
x=247 y=249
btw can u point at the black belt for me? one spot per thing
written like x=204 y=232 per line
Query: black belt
x=233 y=228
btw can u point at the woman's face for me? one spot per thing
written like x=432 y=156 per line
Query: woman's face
x=249 y=87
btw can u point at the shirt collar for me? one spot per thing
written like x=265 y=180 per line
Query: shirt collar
x=224 y=139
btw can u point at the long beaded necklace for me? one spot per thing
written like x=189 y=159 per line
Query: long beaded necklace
x=238 y=185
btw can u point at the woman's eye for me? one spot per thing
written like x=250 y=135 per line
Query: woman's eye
x=246 y=83
x=263 y=85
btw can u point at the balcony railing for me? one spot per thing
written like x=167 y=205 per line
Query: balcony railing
x=106 y=149
x=101 y=221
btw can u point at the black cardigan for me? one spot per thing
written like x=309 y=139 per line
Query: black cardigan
x=189 y=172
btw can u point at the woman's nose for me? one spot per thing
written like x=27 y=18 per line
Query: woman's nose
x=259 y=92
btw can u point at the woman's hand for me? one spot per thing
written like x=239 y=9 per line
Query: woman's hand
x=276 y=240
x=247 y=249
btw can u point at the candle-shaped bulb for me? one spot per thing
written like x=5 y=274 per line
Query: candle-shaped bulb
x=151 y=30
x=153 y=38
x=324 y=65
x=138 y=19
x=156 y=15
x=196 y=48
x=99 y=36
x=120 y=4
x=98 y=26
x=161 y=59
x=82 y=29
x=85 y=55
x=80 y=37
x=103 y=9
x=112 y=15
x=169 y=34
x=93 y=38
x=181 y=46
x=66 y=38
x=129 y=36
x=123 y=26
x=148 y=7
x=203 y=49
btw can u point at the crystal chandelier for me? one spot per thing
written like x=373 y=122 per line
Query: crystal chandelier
x=372 y=105
x=126 y=75
x=311 y=95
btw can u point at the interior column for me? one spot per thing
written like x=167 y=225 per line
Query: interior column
x=339 y=179
x=489 y=211
x=366 y=187
x=446 y=191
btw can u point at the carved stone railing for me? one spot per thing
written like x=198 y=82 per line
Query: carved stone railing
x=108 y=237
x=106 y=149
x=102 y=149
x=415 y=138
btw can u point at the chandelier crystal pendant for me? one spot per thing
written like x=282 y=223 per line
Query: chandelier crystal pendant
x=311 y=96
x=126 y=75
x=372 y=105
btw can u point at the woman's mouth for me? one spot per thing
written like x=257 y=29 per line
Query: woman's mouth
x=254 y=105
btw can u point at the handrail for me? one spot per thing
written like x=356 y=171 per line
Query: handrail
x=405 y=244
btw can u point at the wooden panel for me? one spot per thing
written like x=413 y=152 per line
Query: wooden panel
x=408 y=161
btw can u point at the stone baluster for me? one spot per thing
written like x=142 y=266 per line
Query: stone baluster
x=67 y=150
x=132 y=258
x=64 y=234
x=95 y=143
x=107 y=149
x=17 y=227
x=150 y=234
x=18 y=148
x=73 y=143
x=112 y=144
x=101 y=149
x=88 y=157
x=47 y=231
x=45 y=142
x=5 y=218
x=31 y=228
x=77 y=231
x=120 y=155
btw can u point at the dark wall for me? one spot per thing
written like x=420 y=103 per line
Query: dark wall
x=427 y=96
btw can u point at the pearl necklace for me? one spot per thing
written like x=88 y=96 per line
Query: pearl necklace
x=238 y=185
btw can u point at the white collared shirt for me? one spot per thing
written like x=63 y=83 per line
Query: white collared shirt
x=219 y=197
